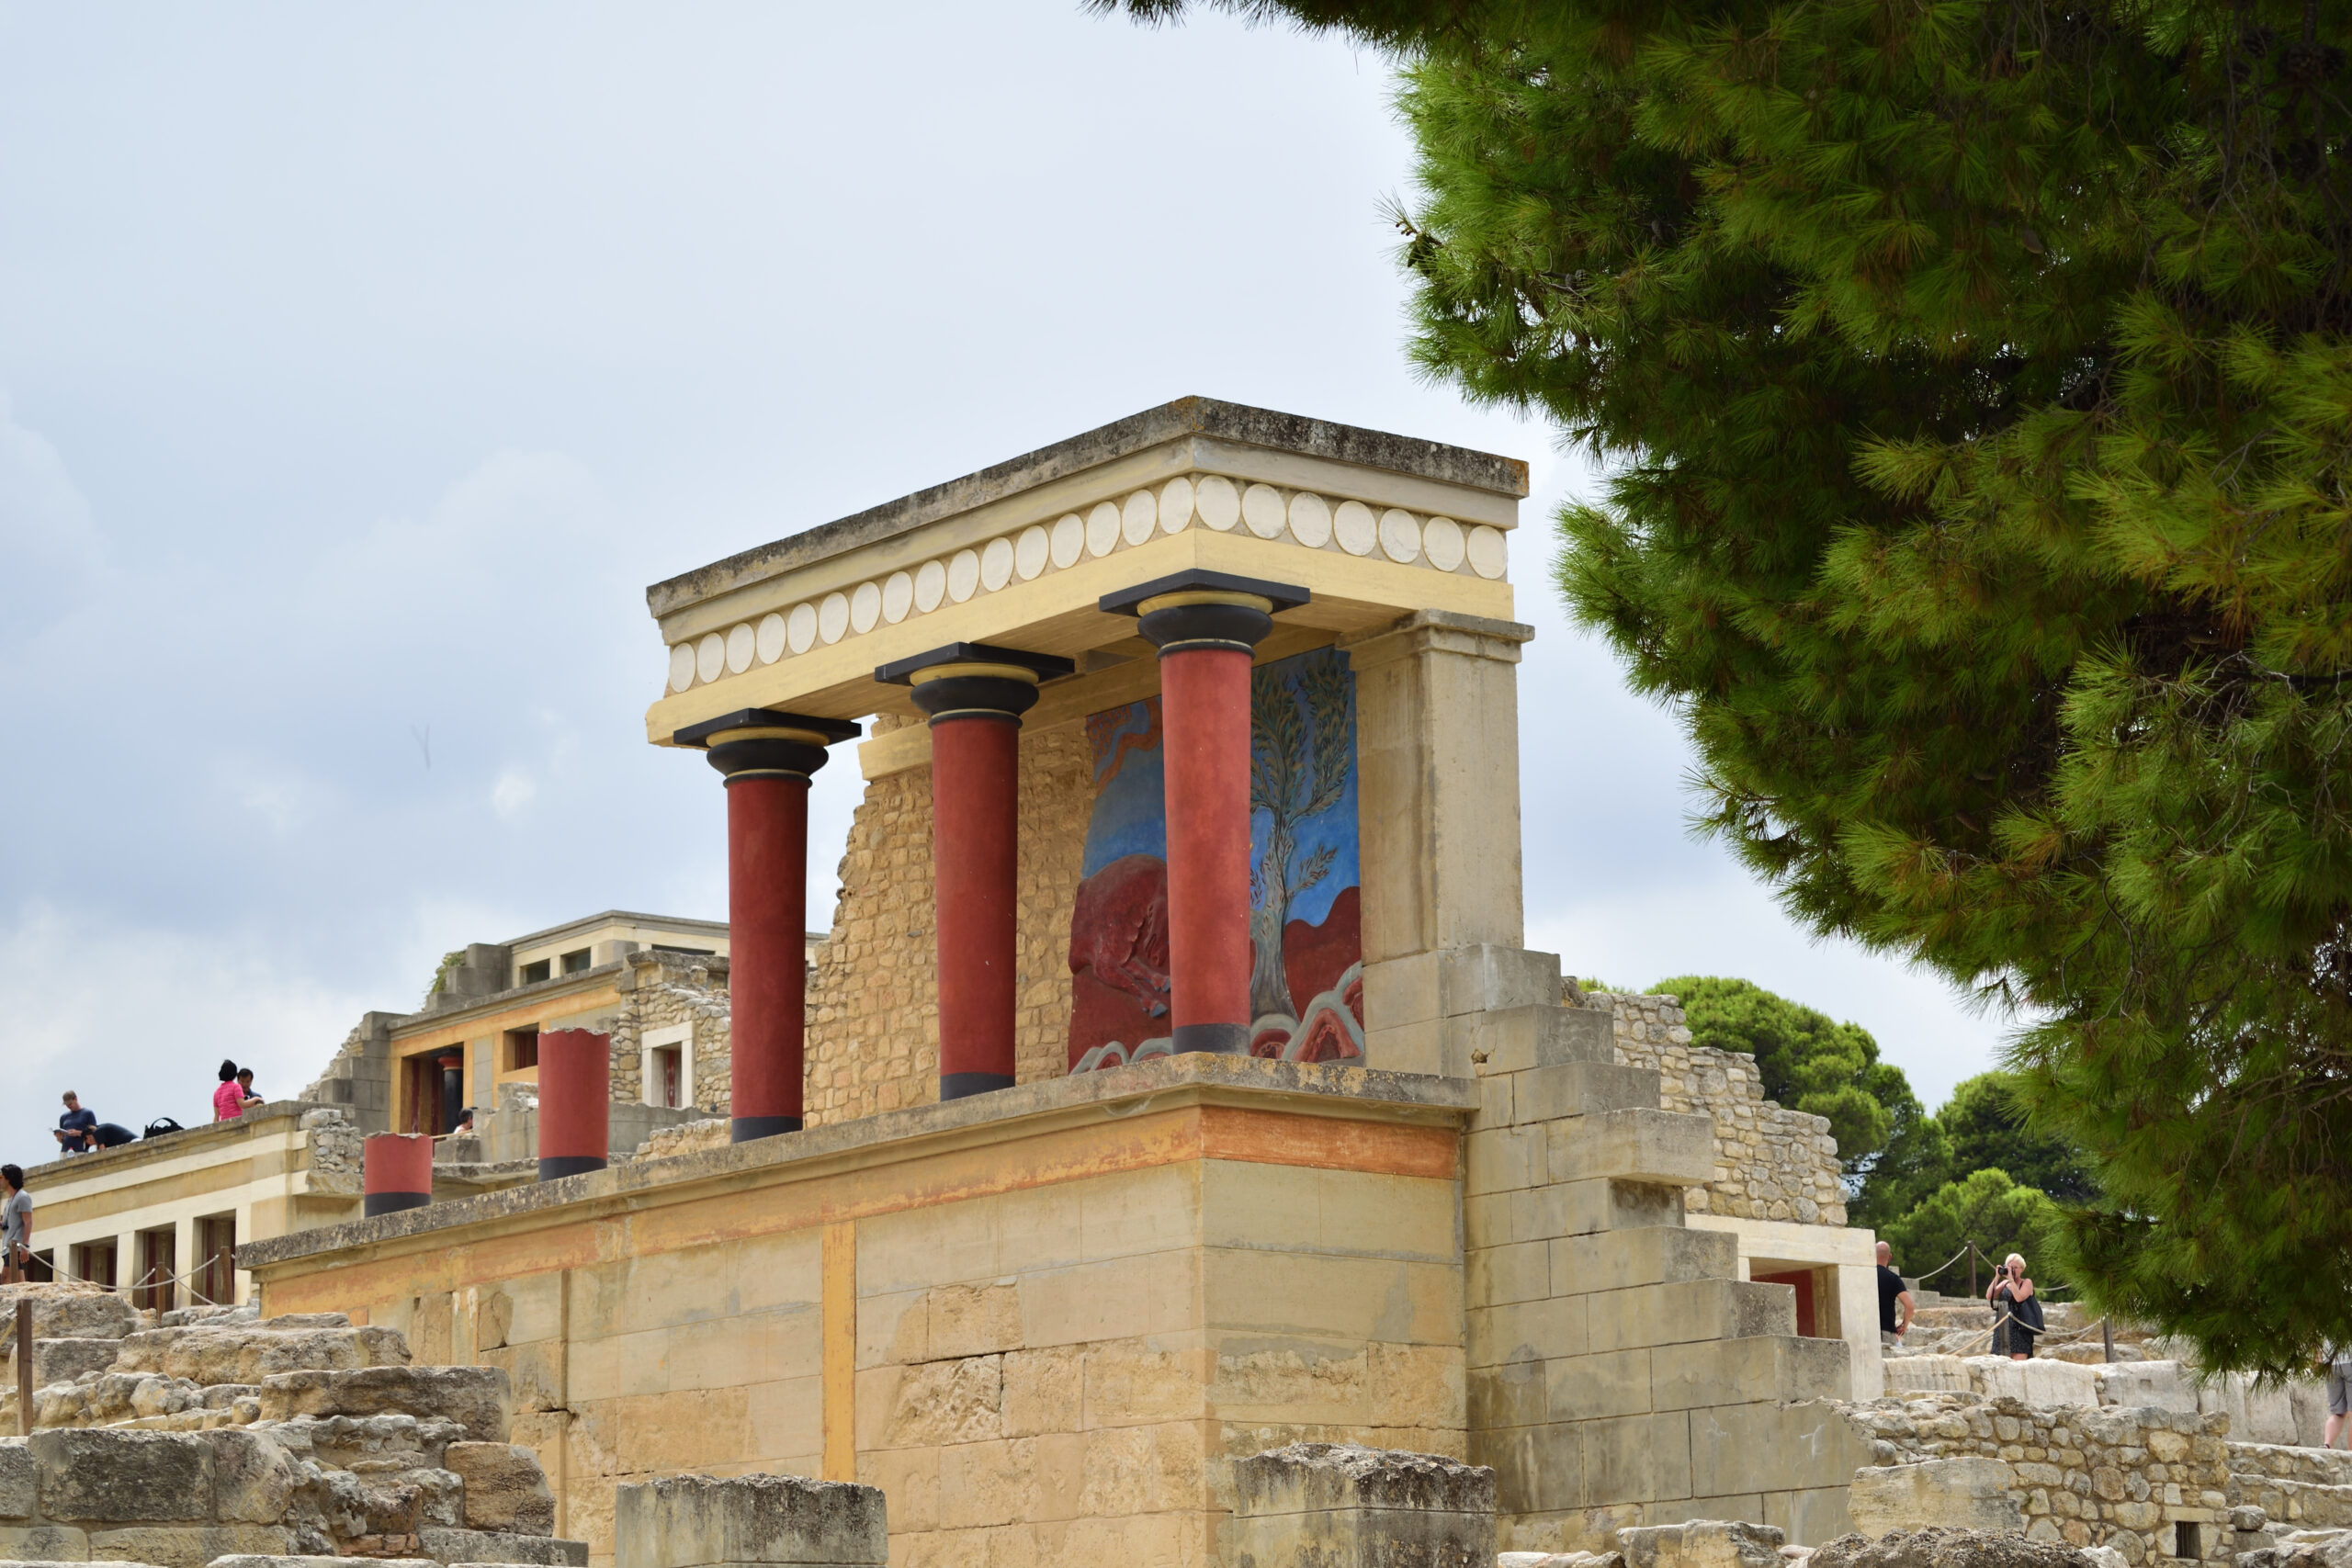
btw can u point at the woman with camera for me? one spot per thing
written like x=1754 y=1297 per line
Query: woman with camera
x=2016 y=1312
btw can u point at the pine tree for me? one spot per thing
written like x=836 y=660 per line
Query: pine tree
x=1976 y=380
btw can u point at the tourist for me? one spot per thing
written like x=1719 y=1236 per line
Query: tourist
x=1892 y=1291
x=2338 y=1369
x=2016 y=1311
x=465 y=1122
x=228 y=1101
x=246 y=1098
x=77 y=1130
x=16 y=1226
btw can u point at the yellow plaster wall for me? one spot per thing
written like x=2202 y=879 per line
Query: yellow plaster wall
x=874 y=1007
x=1046 y=1348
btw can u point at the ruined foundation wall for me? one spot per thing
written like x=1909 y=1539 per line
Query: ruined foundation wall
x=874 y=1003
x=673 y=988
x=1770 y=1163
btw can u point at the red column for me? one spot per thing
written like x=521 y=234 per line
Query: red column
x=396 y=1172
x=975 y=694
x=767 y=757
x=1208 y=625
x=1204 y=714
x=575 y=1102
x=975 y=848
x=767 y=962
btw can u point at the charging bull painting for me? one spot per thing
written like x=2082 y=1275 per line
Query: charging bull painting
x=1306 y=983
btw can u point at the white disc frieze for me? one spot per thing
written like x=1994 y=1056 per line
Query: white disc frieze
x=1216 y=501
x=931 y=586
x=1139 y=517
x=1070 y=539
x=800 y=627
x=681 y=666
x=832 y=616
x=1488 y=555
x=1175 y=505
x=770 y=638
x=864 y=607
x=897 y=597
x=1356 y=528
x=710 y=655
x=1310 y=519
x=963 y=574
x=1441 y=541
x=1262 y=509
x=996 y=564
x=741 y=643
x=1030 y=552
x=1400 y=535
x=1102 y=529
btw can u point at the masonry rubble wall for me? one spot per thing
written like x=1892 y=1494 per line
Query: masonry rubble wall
x=1771 y=1162
x=220 y=1434
x=874 y=1001
x=2125 y=1478
x=661 y=989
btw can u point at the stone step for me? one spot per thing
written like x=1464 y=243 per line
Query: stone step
x=2293 y=1505
x=455 y=1546
x=478 y=1398
x=63 y=1313
x=2287 y=1462
x=248 y=1353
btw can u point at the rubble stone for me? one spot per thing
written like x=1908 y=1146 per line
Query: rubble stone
x=475 y=1397
x=1701 y=1543
x=504 y=1487
x=88 y=1475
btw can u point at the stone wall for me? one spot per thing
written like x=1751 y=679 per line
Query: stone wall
x=658 y=989
x=2117 y=1477
x=873 y=1002
x=1770 y=1163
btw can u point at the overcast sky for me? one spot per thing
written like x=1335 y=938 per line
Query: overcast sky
x=360 y=366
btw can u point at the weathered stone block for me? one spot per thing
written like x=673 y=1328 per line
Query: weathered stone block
x=1339 y=1505
x=250 y=1353
x=19 y=1487
x=1737 y=1449
x=190 y=1546
x=1658 y=1255
x=63 y=1360
x=1732 y=1371
x=69 y=1315
x=694 y=1521
x=1490 y=978
x=1969 y=1493
x=106 y=1474
x=1701 y=1543
x=43 y=1544
x=1688 y=1311
x=1519 y=1040
x=1582 y=1088
x=247 y=1559
x=447 y=1545
x=1660 y=1147
x=476 y=1397
x=506 y=1488
x=1937 y=1546
x=253 y=1480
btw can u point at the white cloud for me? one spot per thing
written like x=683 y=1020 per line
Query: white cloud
x=135 y=1018
x=513 y=791
x=50 y=548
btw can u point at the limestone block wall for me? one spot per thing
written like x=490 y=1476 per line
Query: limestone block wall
x=1770 y=1163
x=2118 y=1477
x=873 y=1002
x=1620 y=1372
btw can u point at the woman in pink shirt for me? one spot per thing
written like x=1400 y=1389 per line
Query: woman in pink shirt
x=228 y=1101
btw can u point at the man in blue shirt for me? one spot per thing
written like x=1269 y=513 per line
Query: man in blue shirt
x=77 y=1130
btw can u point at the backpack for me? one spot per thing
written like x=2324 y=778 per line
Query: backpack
x=161 y=1125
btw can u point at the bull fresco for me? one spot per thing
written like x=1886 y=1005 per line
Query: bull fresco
x=1305 y=985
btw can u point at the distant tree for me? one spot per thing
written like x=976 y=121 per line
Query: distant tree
x=1810 y=1062
x=1983 y=1125
x=1992 y=1211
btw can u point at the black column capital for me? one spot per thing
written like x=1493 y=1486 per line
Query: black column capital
x=1205 y=609
x=766 y=742
x=974 y=680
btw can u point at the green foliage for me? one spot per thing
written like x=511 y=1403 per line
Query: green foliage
x=1976 y=377
x=1807 y=1061
x=1989 y=1209
x=1984 y=1125
x=441 y=972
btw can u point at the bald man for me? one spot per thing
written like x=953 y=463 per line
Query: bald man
x=1892 y=1292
